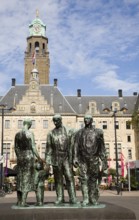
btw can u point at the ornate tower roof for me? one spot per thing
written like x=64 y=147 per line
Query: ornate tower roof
x=37 y=27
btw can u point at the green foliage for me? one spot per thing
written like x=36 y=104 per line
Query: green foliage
x=135 y=120
x=112 y=172
x=51 y=180
x=134 y=183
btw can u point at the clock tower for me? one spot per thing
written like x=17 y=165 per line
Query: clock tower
x=36 y=54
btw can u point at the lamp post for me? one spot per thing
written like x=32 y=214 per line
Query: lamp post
x=128 y=171
x=116 y=150
x=124 y=109
x=3 y=109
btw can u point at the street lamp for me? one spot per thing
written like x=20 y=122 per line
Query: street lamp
x=108 y=110
x=3 y=109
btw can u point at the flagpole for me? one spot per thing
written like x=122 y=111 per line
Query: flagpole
x=128 y=172
x=35 y=59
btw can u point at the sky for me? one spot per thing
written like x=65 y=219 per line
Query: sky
x=93 y=44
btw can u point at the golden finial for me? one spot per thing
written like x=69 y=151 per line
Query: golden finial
x=37 y=13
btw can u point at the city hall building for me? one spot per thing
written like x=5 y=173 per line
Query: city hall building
x=39 y=100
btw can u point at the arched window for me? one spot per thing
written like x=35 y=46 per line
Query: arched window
x=37 y=46
x=30 y=45
x=43 y=46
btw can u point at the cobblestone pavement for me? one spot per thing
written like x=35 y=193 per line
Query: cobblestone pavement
x=127 y=199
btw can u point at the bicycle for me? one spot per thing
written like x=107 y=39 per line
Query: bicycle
x=101 y=189
x=7 y=189
x=2 y=193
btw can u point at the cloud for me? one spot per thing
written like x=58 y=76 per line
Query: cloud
x=111 y=81
x=86 y=38
x=4 y=83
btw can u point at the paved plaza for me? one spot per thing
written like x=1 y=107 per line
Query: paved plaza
x=127 y=199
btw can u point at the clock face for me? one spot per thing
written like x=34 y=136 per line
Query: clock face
x=37 y=28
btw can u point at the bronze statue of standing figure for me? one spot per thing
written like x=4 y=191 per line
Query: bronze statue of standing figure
x=89 y=151
x=41 y=174
x=26 y=152
x=58 y=152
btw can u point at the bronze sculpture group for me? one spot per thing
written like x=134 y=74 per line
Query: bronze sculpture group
x=65 y=149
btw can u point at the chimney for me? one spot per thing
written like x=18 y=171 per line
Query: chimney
x=55 y=82
x=135 y=93
x=120 y=93
x=78 y=92
x=13 y=81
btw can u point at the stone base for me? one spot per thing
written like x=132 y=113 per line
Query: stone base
x=61 y=206
x=51 y=212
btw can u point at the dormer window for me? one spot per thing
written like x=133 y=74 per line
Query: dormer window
x=115 y=106
x=92 y=107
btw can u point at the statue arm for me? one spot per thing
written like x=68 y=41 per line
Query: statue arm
x=71 y=136
x=75 y=151
x=48 y=151
x=16 y=146
x=102 y=151
x=34 y=147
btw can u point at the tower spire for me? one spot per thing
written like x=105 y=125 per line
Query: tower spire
x=37 y=13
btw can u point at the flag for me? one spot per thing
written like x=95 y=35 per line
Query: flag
x=131 y=165
x=34 y=58
x=122 y=165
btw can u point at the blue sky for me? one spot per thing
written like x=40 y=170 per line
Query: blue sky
x=93 y=44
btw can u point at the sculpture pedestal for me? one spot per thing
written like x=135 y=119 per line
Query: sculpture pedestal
x=51 y=212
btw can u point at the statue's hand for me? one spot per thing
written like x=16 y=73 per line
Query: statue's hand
x=104 y=166
x=36 y=186
x=75 y=163
x=40 y=159
x=47 y=168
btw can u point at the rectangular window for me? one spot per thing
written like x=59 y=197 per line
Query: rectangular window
x=128 y=138
x=117 y=125
x=43 y=149
x=107 y=147
x=33 y=124
x=81 y=124
x=7 y=124
x=104 y=125
x=45 y=124
x=20 y=124
x=6 y=150
x=119 y=150
x=94 y=124
x=129 y=154
x=128 y=125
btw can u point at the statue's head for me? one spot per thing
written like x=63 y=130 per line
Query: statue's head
x=39 y=165
x=57 y=119
x=27 y=122
x=88 y=119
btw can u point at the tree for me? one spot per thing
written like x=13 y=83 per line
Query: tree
x=135 y=120
x=112 y=172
